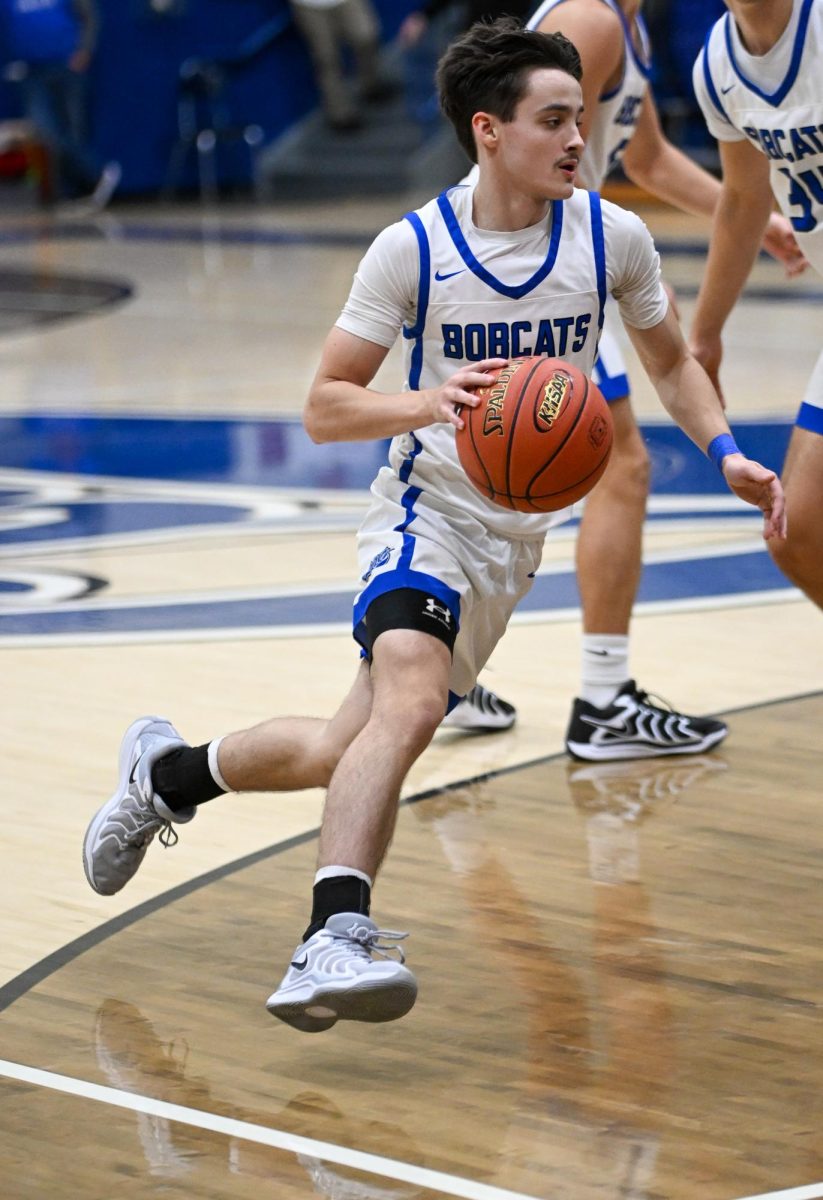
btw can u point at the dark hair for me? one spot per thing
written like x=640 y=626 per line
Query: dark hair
x=488 y=69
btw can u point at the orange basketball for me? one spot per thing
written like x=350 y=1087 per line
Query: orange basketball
x=540 y=438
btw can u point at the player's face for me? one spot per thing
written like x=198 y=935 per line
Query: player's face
x=542 y=145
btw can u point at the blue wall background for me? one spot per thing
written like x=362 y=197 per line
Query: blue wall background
x=134 y=79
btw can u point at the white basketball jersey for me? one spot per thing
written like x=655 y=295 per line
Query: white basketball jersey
x=613 y=125
x=461 y=293
x=776 y=101
x=548 y=299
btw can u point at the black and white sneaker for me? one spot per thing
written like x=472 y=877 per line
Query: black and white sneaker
x=348 y=971
x=480 y=712
x=633 y=727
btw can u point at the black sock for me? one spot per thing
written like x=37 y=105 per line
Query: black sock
x=182 y=778
x=340 y=894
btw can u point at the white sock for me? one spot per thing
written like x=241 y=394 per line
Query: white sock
x=213 y=751
x=604 y=667
x=335 y=872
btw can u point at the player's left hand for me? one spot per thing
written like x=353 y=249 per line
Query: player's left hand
x=757 y=485
x=780 y=242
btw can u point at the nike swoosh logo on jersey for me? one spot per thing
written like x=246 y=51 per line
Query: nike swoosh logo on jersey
x=440 y=278
x=723 y=91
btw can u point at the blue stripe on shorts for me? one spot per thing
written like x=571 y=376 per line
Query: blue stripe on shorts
x=810 y=417
x=613 y=387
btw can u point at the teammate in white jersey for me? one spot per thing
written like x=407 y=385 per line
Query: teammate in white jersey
x=759 y=80
x=612 y=718
x=521 y=263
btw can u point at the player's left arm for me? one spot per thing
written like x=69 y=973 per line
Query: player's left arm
x=653 y=163
x=689 y=397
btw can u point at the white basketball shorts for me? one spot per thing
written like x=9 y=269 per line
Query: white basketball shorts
x=476 y=575
x=609 y=371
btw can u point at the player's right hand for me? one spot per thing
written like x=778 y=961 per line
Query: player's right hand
x=461 y=390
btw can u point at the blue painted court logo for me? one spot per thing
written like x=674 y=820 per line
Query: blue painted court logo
x=65 y=500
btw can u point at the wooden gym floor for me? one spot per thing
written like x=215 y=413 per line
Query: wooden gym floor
x=619 y=983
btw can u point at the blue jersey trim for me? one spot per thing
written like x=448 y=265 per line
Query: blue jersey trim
x=424 y=283
x=516 y=291
x=604 y=96
x=403 y=577
x=599 y=245
x=810 y=417
x=409 y=499
x=779 y=96
x=406 y=469
x=612 y=387
x=707 y=77
x=644 y=65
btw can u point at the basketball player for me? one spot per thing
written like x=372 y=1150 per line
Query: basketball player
x=523 y=261
x=759 y=80
x=612 y=718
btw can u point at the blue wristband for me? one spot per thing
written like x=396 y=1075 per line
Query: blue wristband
x=719 y=447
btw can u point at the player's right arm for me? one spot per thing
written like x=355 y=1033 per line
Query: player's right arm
x=343 y=408
x=737 y=232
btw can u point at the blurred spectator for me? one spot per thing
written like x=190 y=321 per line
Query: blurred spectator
x=417 y=22
x=329 y=26
x=48 y=47
x=678 y=29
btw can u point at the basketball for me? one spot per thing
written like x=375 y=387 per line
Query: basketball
x=540 y=438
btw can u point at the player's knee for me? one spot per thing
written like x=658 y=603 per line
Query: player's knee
x=327 y=756
x=415 y=718
x=421 y=718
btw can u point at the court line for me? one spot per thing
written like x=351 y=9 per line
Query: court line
x=813 y=1191
x=17 y=987
x=244 y=633
x=373 y=1164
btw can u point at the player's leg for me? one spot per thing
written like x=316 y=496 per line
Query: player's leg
x=162 y=779
x=609 y=556
x=800 y=556
x=612 y=718
x=342 y=968
x=410 y=678
x=428 y=628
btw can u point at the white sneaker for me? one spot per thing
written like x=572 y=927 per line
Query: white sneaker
x=119 y=834
x=481 y=711
x=334 y=976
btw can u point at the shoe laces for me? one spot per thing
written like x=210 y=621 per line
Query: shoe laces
x=652 y=700
x=382 y=942
x=168 y=835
